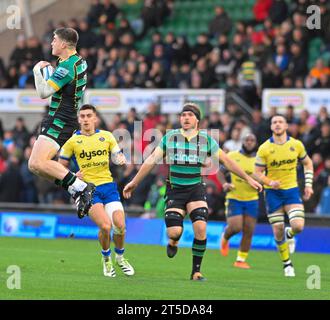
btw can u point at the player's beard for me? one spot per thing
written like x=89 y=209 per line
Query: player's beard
x=249 y=151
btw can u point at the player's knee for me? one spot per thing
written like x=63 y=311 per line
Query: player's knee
x=298 y=225
x=175 y=235
x=236 y=228
x=173 y=219
x=199 y=214
x=105 y=227
x=34 y=165
x=297 y=219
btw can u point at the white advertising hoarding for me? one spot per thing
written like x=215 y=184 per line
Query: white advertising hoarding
x=112 y=101
x=311 y=99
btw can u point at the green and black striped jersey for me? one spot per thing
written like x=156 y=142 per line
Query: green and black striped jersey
x=185 y=157
x=69 y=80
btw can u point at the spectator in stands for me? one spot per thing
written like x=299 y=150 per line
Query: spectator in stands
x=25 y=77
x=151 y=16
x=19 y=53
x=319 y=69
x=289 y=114
x=323 y=115
x=21 y=135
x=181 y=54
x=261 y=9
x=271 y=76
x=278 y=11
x=201 y=48
x=249 y=80
x=281 y=58
x=87 y=38
x=322 y=143
x=324 y=206
x=34 y=52
x=234 y=143
x=260 y=127
x=29 y=192
x=157 y=77
x=3 y=74
x=298 y=62
x=110 y=12
x=205 y=73
x=94 y=13
x=124 y=27
x=220 y=24
x=11 y=182
x=3 y=158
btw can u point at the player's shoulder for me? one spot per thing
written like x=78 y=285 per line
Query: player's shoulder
x=265 y=145
x=295 y=141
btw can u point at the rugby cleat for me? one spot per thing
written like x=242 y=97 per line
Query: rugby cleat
x=289 y=271
x=171 y=250
x=291 y=242
x=83 y=200
x=197 y=276
x=242 y=265
x=224 y=246
x=108 y=269
x=125 y=266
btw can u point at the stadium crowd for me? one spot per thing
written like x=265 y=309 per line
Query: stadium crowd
x=270 y=51
x=18 y=184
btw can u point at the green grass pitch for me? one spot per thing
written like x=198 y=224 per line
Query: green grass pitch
x=71 y=269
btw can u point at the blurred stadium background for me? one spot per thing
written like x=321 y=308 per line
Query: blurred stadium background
x=241 y=60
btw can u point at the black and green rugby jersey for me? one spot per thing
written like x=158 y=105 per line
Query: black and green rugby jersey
x=186 y=156
x=69 y=80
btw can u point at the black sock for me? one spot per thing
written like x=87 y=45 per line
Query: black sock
x=198 y=249
x=67 y=181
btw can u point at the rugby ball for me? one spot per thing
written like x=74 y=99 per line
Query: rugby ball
x=47 y=72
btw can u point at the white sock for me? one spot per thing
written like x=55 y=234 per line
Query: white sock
x=77 y=186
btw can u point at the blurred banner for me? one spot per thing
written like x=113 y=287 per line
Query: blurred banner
x=113 y=101
x=149 y=231
x=311 y=99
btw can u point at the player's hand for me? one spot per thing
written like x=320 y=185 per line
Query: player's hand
x=80 y=175
x=255 y=184
x=228 y=186
x=120 y=159
x=308 y=192
x=274 y=184
x=129 y=189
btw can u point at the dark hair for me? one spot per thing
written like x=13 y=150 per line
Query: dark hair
x=278 y=115
x=69 y=35
x=88 y=107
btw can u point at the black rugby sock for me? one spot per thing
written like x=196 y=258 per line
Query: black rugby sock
x=198 y=249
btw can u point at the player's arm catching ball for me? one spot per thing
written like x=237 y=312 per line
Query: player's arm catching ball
x=44 y=89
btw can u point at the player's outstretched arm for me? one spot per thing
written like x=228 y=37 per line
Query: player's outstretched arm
x=309 y=176
x=262 y=178
x=145 y=169
x=234 y=168
x=44 y=90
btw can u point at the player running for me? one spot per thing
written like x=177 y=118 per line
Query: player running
x=66 y=87
x=186 y=151
x=242 y=203
x=90 y=149
x=279 y=157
